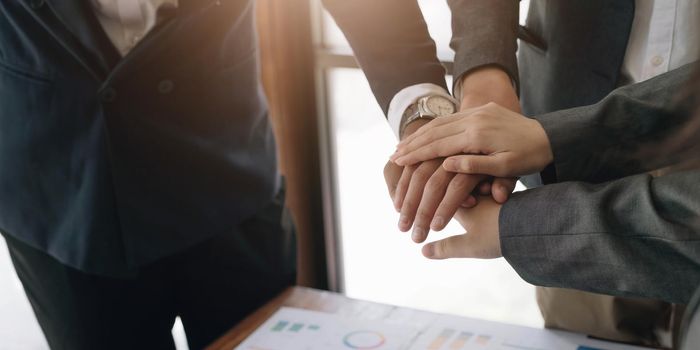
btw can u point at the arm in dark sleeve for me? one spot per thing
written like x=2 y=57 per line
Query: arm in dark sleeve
x=637 y=236
x=484 y=33
x=622 y=134
x=391 y=42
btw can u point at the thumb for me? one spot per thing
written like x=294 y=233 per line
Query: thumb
x=459 y=246
x=476 y=164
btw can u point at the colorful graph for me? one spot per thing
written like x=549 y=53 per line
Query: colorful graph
x=461 y=340
x=483 y=339
x=281 y=326
x=441 y=339
x=364 y=340
x=450 y=339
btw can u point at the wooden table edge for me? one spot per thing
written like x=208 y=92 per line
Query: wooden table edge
x=243 y=329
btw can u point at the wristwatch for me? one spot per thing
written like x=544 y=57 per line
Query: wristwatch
x=428 y=107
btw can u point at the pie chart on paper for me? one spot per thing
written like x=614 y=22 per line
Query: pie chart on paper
x=364 y=340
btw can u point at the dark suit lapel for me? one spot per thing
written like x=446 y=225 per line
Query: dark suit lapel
x=74 y=24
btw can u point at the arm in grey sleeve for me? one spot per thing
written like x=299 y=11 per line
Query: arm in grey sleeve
x=484 y=33
x=391 y=42
x=620 y=135
x=637 y=236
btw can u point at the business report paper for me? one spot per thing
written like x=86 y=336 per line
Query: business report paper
x=297 y=329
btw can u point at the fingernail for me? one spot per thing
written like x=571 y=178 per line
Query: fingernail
x=438 y=223
x=399 y=160
x=418 y=234
x=428 y=251
x=403 y=223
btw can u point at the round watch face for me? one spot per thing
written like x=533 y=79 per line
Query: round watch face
x=440 y=105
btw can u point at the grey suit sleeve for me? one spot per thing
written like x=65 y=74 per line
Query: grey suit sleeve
x=484 y=32
x=637 y=236
x=391 y=42
x=620 y=135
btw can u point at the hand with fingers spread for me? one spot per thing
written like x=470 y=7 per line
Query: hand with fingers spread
x=488 y=140
x=481 y=241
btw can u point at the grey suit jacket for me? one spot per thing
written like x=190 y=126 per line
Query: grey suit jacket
x=633 y=235
x=570 y=55
x=609 y=230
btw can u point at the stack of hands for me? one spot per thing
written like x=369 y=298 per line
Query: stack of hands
x=465 y=166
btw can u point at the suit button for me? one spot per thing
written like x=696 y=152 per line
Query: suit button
x=109 y=95
x=166 y=87
x=35 y=4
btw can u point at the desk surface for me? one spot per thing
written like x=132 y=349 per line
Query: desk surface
x=305 y=298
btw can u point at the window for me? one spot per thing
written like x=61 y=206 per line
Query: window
x=373 y=259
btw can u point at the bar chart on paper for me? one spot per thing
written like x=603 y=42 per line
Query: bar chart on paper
x=296 y=329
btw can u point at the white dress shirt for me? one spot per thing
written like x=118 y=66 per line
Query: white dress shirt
x=664 y=36
x=126 y=22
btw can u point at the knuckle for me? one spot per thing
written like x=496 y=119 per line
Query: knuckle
x=436 y=181
x=409 y=205
x=442 y=248
x=422 y=216
x=422 y=174
x=460 y=181
x=432 y=184
x=468 y=165
x=492 y=105
x=389 y=169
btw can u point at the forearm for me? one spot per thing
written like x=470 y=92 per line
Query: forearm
x=638 y=236
x=391 y=42
x=620 y=135
x=484 y=33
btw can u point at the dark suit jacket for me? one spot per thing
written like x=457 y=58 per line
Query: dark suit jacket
x=109 y=163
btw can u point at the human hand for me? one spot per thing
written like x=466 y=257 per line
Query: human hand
x=479 y=87
x=430 y=195
x=488 y=140
x=481 y=241
x=426 y=195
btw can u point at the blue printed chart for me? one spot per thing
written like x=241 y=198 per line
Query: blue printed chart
x=296 y=329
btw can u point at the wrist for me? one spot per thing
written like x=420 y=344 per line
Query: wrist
x=425 y=109
x=544 y=147
x=488 y=84
x=412 y=127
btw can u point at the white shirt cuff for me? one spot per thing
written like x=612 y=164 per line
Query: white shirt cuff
x=407 y=96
